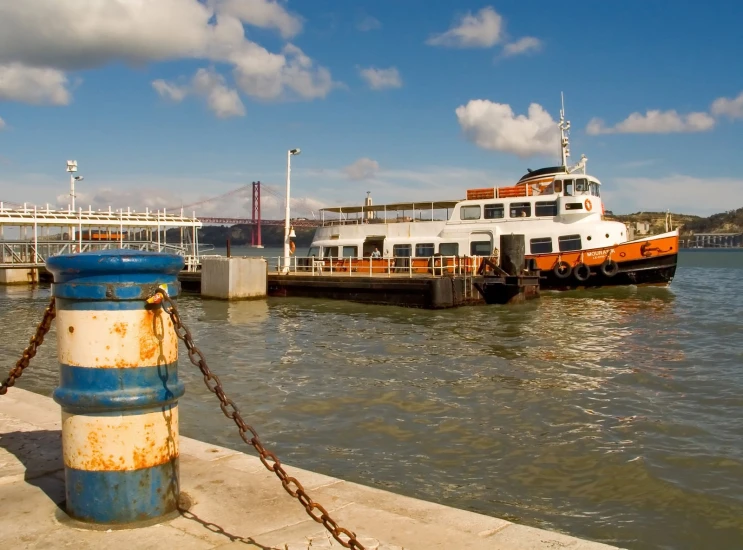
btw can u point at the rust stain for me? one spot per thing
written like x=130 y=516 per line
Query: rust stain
x=71 y=329
x=119 y=328
x=150 y=329
x=96 y=462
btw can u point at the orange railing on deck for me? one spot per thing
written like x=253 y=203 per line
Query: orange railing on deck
x=436 y=265
x=519 y=190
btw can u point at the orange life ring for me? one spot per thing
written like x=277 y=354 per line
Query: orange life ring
x=292 y=247
x=588 y=204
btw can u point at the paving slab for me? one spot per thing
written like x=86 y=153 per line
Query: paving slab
x=235 y=503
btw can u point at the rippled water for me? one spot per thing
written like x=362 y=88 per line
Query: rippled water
x=613 y=415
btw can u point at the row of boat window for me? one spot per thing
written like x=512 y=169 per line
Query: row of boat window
x=542 y=245
x=516 y=210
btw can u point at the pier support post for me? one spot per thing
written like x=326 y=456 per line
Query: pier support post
x=512 y=253
x=119 y=387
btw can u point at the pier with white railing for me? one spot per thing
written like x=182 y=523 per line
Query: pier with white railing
x=29 y=235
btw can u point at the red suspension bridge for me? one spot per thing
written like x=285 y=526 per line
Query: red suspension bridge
x=255 y=220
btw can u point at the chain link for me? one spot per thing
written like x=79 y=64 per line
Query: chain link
x=316 y=511
x=36 y=340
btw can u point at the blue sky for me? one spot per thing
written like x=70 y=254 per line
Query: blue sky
x=177 y=101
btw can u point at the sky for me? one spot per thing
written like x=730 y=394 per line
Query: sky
x=165 y=103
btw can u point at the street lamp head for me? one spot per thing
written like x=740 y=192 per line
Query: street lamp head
x=79 y=178
x=295 y=151
x=72 y=166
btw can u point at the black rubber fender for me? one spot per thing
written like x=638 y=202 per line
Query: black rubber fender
x=609 y=268
x=562 y=270
x=581 y=272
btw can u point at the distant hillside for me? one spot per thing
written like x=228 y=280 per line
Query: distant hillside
x=725 y=222
x=271 y=236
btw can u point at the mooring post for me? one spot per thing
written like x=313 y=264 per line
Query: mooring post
x=512 y=253
x=118 y=388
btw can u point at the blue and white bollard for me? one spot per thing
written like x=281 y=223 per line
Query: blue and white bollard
x=119 y=388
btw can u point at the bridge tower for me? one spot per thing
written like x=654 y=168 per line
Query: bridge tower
x=256 y=227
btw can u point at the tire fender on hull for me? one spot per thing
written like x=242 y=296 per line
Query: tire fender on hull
x=581 y=272
x=609 y=268
x=562 y=270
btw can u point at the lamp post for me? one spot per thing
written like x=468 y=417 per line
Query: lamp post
x=72 y=168
x=289 y=155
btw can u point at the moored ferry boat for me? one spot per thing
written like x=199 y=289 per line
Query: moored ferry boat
x=559 y=210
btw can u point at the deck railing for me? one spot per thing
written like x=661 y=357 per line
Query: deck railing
x=436 y=266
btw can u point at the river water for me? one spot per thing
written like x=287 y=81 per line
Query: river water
x=613 y=415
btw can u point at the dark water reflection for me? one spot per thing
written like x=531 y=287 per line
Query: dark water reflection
x=613 y=415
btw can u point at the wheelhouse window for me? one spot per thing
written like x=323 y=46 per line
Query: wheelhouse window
x=350 y=251
x=402 y=250
x=542 y=245
x=568 y=186
x=424 y=250
x=330 y=252
x=480 y=248
x=574 y=206
x=568 y=243
x=545 y=208
x=581 y=185
x=520 y=210
x=470 y=212
x=494 y=211
x=313 y=251
x=595 y=189
x=449 y=249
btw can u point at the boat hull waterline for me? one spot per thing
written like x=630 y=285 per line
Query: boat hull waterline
x=648 y=261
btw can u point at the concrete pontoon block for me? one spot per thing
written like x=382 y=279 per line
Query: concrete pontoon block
x=233 y=278
x=18 y=276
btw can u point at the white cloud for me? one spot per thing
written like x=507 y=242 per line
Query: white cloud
x=494 y=126
x=482 y=30
x=84 y=34
x=654 y=122
x=33 y=85
x=368 y=23
x=265 y=75
x=732 y=108
x=521 y=46
x=223 y=101
x=679 y=193
x=173 y=92
x=267 y=14
x=364 y=168
x=379 y=79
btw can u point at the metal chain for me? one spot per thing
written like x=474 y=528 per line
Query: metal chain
x=36 y=340
x=292 y=486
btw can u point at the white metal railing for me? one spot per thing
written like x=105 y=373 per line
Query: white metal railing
x=436 y=266
x=35 y=253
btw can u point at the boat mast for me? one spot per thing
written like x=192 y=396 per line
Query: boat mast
x=564 y=130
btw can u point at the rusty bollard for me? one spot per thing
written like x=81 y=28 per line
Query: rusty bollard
x=118 y=388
